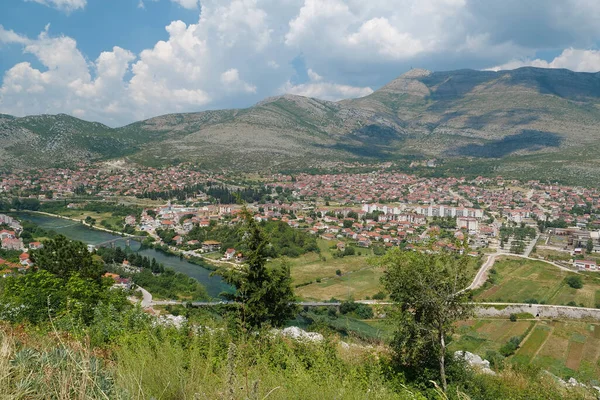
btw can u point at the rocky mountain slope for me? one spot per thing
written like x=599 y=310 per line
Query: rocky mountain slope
x=456 y=114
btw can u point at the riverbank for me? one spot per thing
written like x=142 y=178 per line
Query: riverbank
x=98 y=228
x=89 y=235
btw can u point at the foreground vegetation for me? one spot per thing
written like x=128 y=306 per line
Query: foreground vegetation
x=144 y=361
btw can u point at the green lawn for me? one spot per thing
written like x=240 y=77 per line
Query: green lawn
x=519 y=280
x=565 y=348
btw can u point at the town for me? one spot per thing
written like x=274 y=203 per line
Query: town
x=376 y=210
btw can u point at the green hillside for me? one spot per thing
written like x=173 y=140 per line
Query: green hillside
x=534 y=120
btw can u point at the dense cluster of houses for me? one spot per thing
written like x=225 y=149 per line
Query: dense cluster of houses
x=64 y=183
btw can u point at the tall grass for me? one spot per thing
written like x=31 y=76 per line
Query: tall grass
x=210 y=366
x=165 y=363
x=42 y=370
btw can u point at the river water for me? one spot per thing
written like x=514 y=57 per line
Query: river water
x=77 y=231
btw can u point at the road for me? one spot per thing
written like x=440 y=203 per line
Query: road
x=146 y=298
x=481 y=309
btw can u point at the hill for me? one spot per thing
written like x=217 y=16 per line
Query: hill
x=521 y=116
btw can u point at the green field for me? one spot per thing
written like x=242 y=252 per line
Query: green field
x=564 y=348
x=358 y=278
x=518 y=280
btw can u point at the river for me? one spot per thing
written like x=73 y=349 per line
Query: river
x=77 y=231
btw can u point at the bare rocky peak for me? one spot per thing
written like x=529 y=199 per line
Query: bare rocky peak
x=408 y=83
x=415 y=73
x=301 y=101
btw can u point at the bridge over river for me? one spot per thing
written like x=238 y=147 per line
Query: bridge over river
x=127 y=240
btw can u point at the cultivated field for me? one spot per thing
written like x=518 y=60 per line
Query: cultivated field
x=564 y=348
x=521 y=280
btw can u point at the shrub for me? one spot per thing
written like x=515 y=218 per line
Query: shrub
x=496 y=359
x=361 y=311
x=572 y=304
x=338 y=272
x=511 y=346
x=574 y=281
x=513 y=317
x=381 y=296
x=531 y=301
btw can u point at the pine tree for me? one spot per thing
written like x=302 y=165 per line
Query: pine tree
x=265 y=294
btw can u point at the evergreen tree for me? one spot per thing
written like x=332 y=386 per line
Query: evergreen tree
x=266 y=295
x=64 y=257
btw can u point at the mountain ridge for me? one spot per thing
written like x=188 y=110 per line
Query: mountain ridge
x=446 y=114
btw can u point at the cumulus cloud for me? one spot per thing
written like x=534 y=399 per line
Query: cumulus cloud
x=573 y=59
x=379 y=34
x=231 y=80
x=321 y=89
x=184 y=72
x=240 y=51
x=189 y=4
x=63 y=5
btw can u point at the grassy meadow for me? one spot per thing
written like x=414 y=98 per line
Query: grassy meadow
x=519 y=280
x=314 y=275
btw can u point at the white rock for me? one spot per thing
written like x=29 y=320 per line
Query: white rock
x=299 y=334
x=475 y=361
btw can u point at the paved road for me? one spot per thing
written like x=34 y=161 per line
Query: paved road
x=146 y=298
x=481 y=309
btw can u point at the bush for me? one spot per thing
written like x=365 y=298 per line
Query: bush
x=531 y=301
x=511 y=346
x=381 y=296
x=574 y=281
x=513 y=317
x=362 y=311
x=338 y=272
x=496 y=359
x=572 y=304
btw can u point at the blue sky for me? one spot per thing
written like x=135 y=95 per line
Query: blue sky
x=118 y=61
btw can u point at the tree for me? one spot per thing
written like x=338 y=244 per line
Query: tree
x=574 y=281
x=589 y=246
x=64 y=258
x=266 y=295
x=429 y=296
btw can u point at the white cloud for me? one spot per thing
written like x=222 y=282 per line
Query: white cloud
x=317 y=87
x=142 y=4
x=189 y=4
x=9 y=36
x=573 y=59
x=184 y=72
x=240 y=51
x=63 y=5
x=313 y=76
x=379 y=34
x=231 y=80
